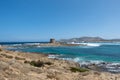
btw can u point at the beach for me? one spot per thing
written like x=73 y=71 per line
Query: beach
x=16 y=65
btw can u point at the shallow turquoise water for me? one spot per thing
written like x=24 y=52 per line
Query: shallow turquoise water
x=108 y=53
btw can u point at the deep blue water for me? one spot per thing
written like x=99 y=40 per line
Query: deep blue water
x=11 y=43
x=108 y=53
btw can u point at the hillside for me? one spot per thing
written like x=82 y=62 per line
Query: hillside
x=89 y=39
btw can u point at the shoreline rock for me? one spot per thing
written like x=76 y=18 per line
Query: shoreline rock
x=14 y=67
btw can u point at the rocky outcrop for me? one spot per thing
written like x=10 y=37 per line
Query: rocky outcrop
x=32 y=66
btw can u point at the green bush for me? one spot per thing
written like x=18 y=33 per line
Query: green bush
x=74 y=69
x=38 y=63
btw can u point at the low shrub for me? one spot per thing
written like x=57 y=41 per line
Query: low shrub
x=48 y=63
x=37 y=63
x=0 y=49
x=26 y=61
x=19 y=58
x=74 y=69
x=7 y=56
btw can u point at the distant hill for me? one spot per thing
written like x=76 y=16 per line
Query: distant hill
x=89 y=39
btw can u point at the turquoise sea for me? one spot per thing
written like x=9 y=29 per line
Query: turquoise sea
x=105 y=55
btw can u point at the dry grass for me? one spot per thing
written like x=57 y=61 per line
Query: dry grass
x=7 y=56
x=19 y=58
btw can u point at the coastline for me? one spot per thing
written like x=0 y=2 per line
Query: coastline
x=13 y=66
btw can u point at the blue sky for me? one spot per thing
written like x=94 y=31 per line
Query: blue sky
x=38 y=20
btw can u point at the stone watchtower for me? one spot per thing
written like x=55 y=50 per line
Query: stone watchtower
x=52 y=40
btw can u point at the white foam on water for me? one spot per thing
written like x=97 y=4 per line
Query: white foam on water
x=73 y=43
x=96 y=62
x=77 y=59
x=86 y=44
x=32 y=43
x=94 y=45
x=69 y=59
x=116 y=71
x=82 y=61
x=16 y=45
x=98 y=44
x=111 y=67
x=91 y=44
x=38 y=46
x=53 y=56
x=114 y=43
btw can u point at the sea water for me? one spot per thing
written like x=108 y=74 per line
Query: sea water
x=106 y=55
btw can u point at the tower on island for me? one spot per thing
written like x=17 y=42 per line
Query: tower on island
x=52 y=40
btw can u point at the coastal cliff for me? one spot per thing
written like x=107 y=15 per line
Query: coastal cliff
x=31 y=66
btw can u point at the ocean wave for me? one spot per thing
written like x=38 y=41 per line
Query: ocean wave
x=38 y=46
x=105 y=66
x=32 y=44
x=86 y=44
x=114 y=43
x=113 y=67
x=80 y=60
x=91 y=44
x=53 y=56
x=15 y=45
x=77 y=59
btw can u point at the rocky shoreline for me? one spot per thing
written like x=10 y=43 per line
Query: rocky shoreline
x=31 y=66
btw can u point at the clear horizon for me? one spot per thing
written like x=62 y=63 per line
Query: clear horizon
x=40 y=20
